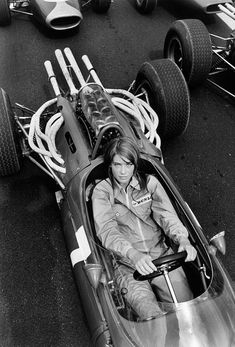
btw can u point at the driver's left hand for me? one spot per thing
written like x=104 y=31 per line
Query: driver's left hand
x=185 y=245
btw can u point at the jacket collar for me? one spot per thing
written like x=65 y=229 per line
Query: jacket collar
x=134 y=183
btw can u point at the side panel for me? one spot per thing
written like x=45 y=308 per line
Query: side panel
x=71 y=142
x=91 y=306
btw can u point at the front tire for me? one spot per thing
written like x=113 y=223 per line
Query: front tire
x=168 y=95
x=188 y=44
x=5 y=13
x=10 y=150
x=101 y=6
x=145 y=6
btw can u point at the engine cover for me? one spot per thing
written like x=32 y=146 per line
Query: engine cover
x=97 y=108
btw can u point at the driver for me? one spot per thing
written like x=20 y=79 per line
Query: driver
x=132 y=215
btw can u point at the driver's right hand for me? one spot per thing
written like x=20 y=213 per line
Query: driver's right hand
x=143 y=262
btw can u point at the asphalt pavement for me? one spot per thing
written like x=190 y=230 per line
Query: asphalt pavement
x=39 y=302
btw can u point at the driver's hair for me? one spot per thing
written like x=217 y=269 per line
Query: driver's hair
x=128 y=150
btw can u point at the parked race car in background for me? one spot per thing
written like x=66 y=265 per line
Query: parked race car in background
x=54 y=14
x=201 y=55
x=205 y=6
x=66 y=138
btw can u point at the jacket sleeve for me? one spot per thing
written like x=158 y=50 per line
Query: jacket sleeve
x=105 y=222
x=164 y=213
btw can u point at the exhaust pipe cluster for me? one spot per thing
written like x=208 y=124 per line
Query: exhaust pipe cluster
x=64 y=68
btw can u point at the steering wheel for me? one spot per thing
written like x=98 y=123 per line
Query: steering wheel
x=166 y=263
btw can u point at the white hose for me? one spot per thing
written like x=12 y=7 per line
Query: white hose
x=128 y=108
x=54 y=166
x=36 y=135
x=50 y=122
x=47 y=158
x=32 y=128
x=51 y=149
x=54 y=129
x=141 y=110
x=50 y=125
x=32 y=134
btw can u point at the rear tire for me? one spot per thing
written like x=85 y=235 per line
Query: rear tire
x=5 y=13
x=10 y=150
x=168 y=95
x=101 y=6
x=145 y=6
x=188 y=44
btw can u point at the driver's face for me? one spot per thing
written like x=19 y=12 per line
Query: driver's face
x=122 y=170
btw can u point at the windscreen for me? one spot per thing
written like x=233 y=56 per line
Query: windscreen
x=208 y=320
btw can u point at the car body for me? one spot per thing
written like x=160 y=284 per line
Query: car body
x=204 y=6
x=199 y=54
x=57 y=15
x=202 y=56
x=66 y=138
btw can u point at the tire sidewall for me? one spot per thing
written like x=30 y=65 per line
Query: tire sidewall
x=11 y=152
x=196 y=49
x=184 y=39
x=168 y=95
x=155 y=94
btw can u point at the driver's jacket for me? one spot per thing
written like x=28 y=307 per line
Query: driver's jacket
x=135 y=218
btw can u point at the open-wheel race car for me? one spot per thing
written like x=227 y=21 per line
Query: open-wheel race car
x=66 y=138
x=204 y=6
x=54 y=14
x=207 y=6
x=202 y=55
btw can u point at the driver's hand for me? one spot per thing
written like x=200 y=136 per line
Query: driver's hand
x=185 y=245
x=143 y=262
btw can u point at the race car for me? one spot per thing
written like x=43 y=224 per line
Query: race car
x=208 y=6
x=54 y=14
x=202 y=55
x=66 y=138
x=199 y=54
x=205 y=6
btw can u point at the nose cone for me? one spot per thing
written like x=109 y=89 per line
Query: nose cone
x=63 y=17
